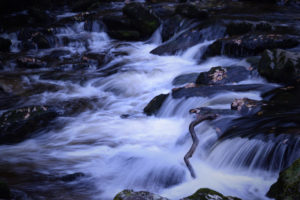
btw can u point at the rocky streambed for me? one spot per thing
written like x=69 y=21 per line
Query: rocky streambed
x=96 y=99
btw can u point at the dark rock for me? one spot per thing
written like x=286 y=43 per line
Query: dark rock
x=5 y=44
x=155 y=104
x=40 y=16
x=170 y=27
x=207 y=91
x=163 y=11
x=246 y=105
x=19 y=124
x=41 y=41
x=141 y=18
x=249 y=44
x=30 y=62
x=188 y=39
x=117 y=22
x=127 y=35
x=4 y=191
x=238 y=28
x=191 y=11
x=280 y=66
x=72 y=177
x=223 y=75
x=185 y=78
x=285 y=98
x=209 y=111
x=264 y=27
x=288 y=183
x=82 y=5
x=208 y=194
x=142 y=195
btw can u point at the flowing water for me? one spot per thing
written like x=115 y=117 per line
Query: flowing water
x=137 y=152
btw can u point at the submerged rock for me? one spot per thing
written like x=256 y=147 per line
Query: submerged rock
x=208 y=194
x=155 y=104
x=246 y=105
x=249 y=44
x=223 y=75
x=280 y=66
x=288 y=184
x=185 y=78
x=72 y=177
x=19 y=124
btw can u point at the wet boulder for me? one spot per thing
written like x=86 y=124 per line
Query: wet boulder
x=280 y=66
x=141 y=18
x=142 y=195
x=189 y=38
x=288 y=183
x=208 y=194
x=170 y=26
x=246 y=105
x=155 y=104
x=249 y=44
x=223 y=75
x=4 y=44
x=191 y=11
x=238 y=28
x=20 y=124
x=208 y=91
x=185 y=78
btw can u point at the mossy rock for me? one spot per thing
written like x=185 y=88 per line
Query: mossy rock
x=208 y=194
x=141 y=18
x=287 y=186
x=142 y=195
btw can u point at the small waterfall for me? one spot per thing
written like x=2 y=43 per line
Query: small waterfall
x=255 y=154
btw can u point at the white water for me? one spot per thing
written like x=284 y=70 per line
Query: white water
x=140 y=152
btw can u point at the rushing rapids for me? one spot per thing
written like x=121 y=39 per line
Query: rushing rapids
x=110 y=142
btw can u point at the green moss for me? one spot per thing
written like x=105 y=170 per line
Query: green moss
x=288 y=184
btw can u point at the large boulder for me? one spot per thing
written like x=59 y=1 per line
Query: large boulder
x=141 y=18
x=19 y=124
x=142 y=195
x=121 y=28
x=201 y=194
x=4 y=44
x=249 y=44
x=189 y=38
x=287 y=186
x=223 y=75
x=155 y=104
x=209 y=194
x=170 y=26
x=280 y=66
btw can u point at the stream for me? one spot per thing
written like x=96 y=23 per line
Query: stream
x=115 y=145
